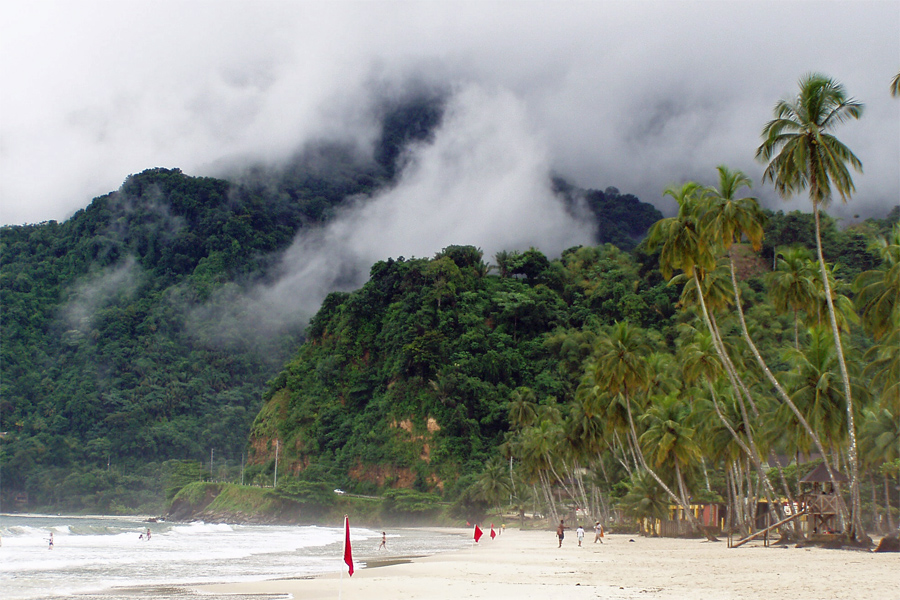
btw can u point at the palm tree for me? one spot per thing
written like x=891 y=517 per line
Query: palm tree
x=645 y=499
x=621 y=369
x=815 y=387
x=493 y=484
x=895 y=86
x=878 y=298
x=802 y=154
x=669 y=441
x=729 y=218
x=881 y=444
x=792 y=284
x=522 y=408
x=878 y=290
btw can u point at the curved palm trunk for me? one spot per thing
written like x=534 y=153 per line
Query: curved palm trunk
x=643 y=461
x=856 y=528
x=740 y=389
x=752 y=454
x=887 y=503
x=784 y=396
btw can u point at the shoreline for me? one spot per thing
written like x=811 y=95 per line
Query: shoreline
x=524 y=565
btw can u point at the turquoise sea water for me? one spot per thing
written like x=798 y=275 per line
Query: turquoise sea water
x=104 y=557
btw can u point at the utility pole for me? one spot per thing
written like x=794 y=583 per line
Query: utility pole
x=242 y=468
x=212 y=452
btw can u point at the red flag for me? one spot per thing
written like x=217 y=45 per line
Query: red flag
x=348 y=554
x=478 y=533
x=493 y=533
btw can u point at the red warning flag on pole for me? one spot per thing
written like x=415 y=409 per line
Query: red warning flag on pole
x=478 y=533
x=348 y=553
x=493 y=533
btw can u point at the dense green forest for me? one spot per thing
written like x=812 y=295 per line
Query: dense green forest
x=115 y=361
x=437 y=371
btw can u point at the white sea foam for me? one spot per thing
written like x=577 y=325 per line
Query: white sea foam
x=97 y=554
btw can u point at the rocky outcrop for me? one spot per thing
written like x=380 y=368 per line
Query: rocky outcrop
x=890 y=543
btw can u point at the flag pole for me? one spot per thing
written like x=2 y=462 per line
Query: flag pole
x=343 y=553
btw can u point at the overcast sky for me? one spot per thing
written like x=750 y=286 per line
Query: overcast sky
x=635 y=95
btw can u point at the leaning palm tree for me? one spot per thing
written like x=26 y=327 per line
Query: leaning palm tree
x=895 y=86
x=803 y=154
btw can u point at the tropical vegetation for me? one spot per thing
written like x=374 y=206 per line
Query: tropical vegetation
x=717 y=355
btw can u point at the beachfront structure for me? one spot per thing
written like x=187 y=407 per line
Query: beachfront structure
x=712 y=515
x=821 y=501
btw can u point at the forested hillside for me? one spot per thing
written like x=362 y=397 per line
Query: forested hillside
x=116 y=357
x=406 y=381
x=595 y=374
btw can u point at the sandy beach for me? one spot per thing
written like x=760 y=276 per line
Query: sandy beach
x=524 y=565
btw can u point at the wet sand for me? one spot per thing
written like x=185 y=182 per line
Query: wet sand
x=525 y=565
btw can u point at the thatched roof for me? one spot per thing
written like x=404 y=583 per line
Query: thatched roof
x=820 y=475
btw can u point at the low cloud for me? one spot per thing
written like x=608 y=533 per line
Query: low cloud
x=484 y=180
x=632 y=94
x=98 y=291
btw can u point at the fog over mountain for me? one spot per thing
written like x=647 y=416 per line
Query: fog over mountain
x=632 y=94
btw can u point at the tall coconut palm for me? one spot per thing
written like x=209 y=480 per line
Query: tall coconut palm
x=803 y=154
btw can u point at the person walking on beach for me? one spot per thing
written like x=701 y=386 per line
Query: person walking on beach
x=579 y=533
x=383 y=541
x=561 y=532
x=598 y=532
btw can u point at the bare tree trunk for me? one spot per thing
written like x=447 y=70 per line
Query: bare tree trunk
x=705 y=474
x=856 y=529
x=752 y=453
x=887 y=503
x=875 y=515
x=548 y=495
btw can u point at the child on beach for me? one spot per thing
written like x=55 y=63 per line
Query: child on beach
x=579 y=533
